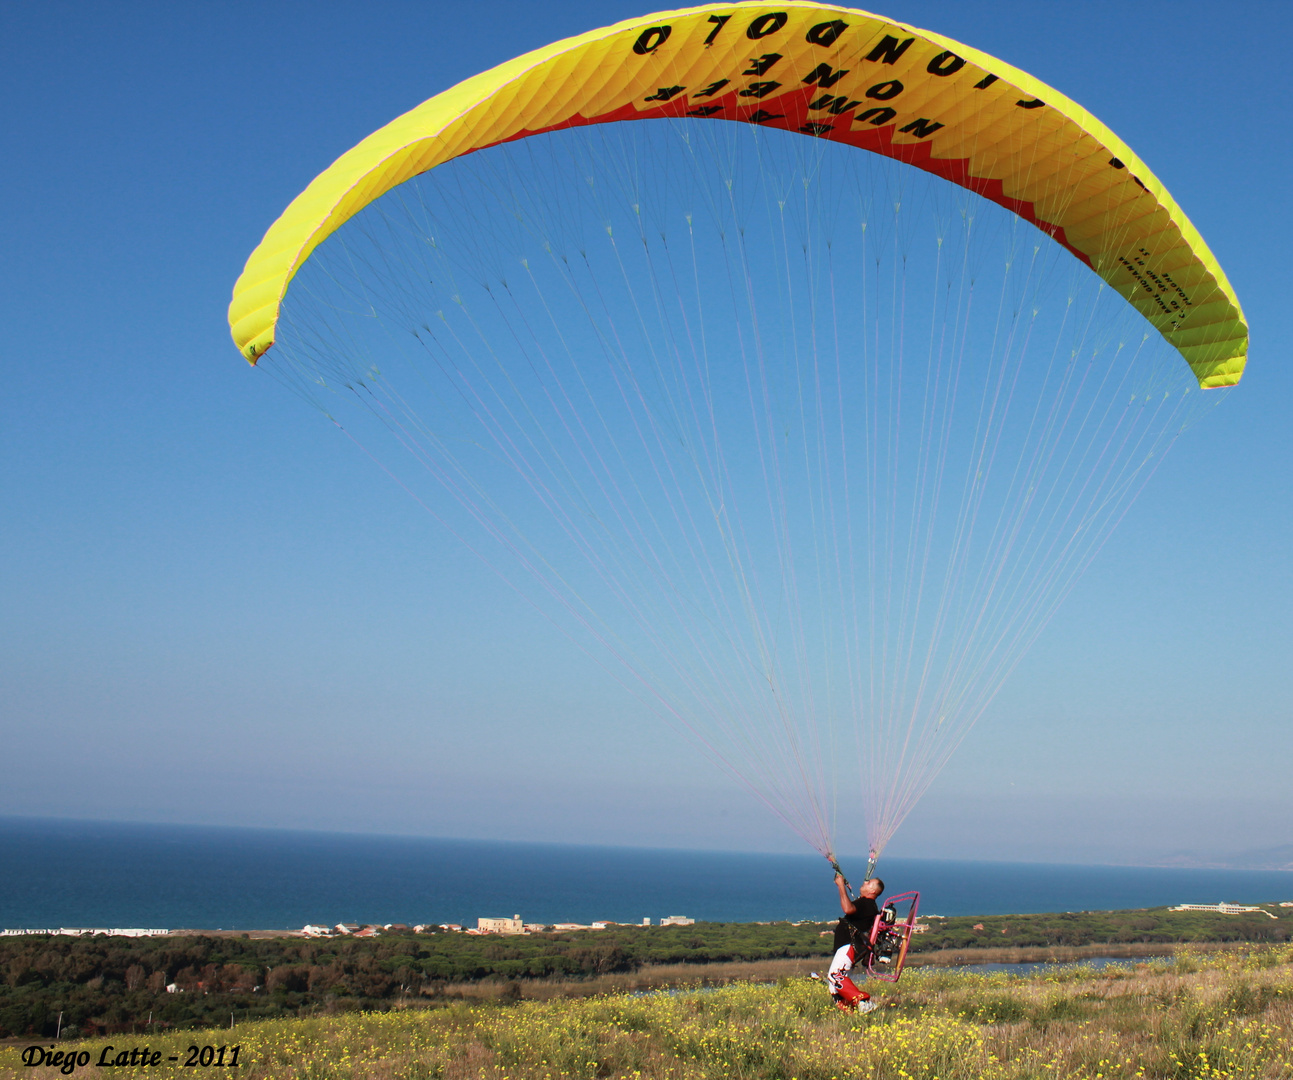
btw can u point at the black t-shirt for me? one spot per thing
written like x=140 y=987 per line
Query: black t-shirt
x=856 y=928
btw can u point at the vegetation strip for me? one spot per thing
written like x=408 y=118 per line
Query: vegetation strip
x=104 y=985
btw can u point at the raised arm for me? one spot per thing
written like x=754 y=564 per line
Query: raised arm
x=847 y=905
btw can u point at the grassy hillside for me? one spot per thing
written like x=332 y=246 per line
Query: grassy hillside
x=1217 y=1017
x=104 y=985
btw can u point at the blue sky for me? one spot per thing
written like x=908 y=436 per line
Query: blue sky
x=212 y=609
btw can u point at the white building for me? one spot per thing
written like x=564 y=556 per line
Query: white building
x=1223 y=908
x=677 y=920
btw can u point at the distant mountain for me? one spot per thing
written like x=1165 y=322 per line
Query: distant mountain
x=1271 y=858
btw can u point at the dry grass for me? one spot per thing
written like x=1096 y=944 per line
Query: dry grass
x=669 y=976
x=1203 y=1016
x=653 y=977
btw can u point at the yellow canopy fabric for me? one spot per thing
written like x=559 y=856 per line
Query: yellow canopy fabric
x=826 y=72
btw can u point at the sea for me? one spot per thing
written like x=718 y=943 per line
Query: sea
x=60 y=873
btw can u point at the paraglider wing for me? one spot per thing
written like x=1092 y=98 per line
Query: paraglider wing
x=828 y=73
x=810 y=443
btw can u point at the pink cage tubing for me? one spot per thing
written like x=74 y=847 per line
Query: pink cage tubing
x=903 y=928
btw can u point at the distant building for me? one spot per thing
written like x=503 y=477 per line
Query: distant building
x=535 y=927
x=347 y=928
x=314 y=930
x=1223 y=908
x=456 y=927
x=646 y=921
x=571 y=926
x=677 y=920
x=500 y=926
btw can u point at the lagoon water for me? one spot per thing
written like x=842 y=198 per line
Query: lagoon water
x=71 y=873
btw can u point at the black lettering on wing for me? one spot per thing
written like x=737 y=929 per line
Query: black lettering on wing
x=835 y=105
x=651 y=39
x=885 y=90
x=712 y=89
x=876 y=117
x=759 y=65
x=826 y=33
x=767 y=24
x=921 y=128
x=945 y=63
x=719 y=22
x=889 y=50
x=823 y=75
